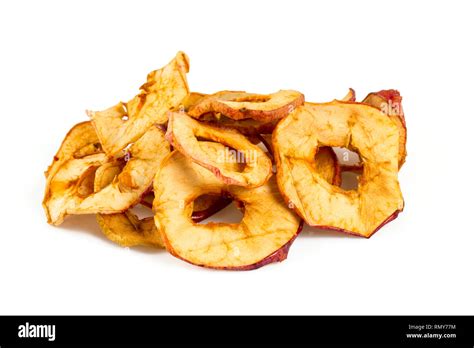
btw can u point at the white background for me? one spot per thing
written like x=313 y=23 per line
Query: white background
x=59 y=58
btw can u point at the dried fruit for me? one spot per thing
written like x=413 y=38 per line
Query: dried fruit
x=264 y=235
x=254 y=167
x=124 y=124
x=186 y=155
x=123 y=192
x=359 y=127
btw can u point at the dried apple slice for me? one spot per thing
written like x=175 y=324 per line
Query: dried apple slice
x=122 y=124
x=264 y=235
x=390 y=103
x=246 y=126
x=239 y=105
x=79 y=142
x=358 y=127
x=69 y=184
x=135 y=179
x=183 y=132
x=123 y=192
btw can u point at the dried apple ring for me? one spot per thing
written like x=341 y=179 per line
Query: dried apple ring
x=358 y=127
x=239 y=105
x=264 y=235
x=121 y=124
x=246 y=126
x=183 y=133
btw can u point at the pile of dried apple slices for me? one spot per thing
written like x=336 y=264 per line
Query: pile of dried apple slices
x=188 y=155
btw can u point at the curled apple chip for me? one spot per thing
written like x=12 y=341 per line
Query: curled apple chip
x=69 y=185
x=134 y=180
x=124 y=124
x=123 y=192
x=390 y=103
x=356 y=126
x=254 y=168
x=239 y=105
x=79 y=142
x=264 y=235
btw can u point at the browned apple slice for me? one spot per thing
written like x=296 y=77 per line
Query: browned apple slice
x=267 y=228
x=356 y=126
x=254 y=168
x=123 y=192
x=134 y=181
x=69 y=185
x=390 y=103
x=123 y=124
x=239 y=105
x=79 y=142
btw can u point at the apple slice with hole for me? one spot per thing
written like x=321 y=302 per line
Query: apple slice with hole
x=254 y=167
x=358 y=127
x=263 y=236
